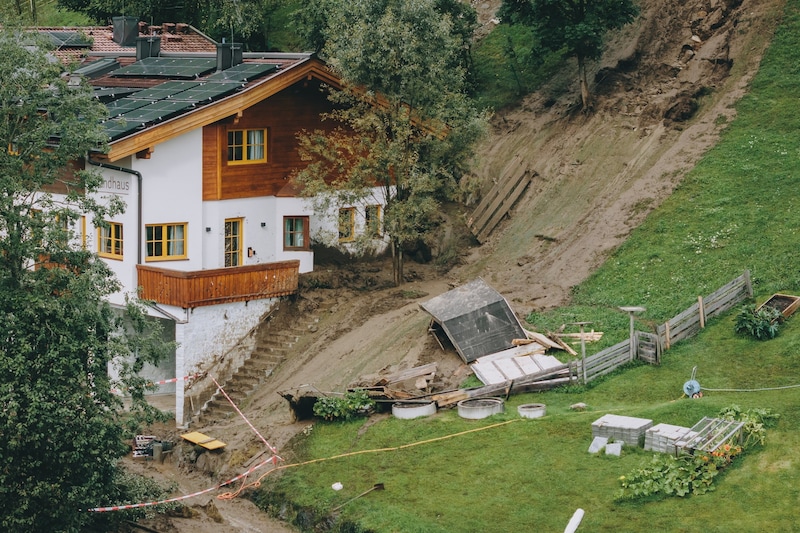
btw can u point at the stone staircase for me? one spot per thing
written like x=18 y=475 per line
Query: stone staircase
x=275 y=340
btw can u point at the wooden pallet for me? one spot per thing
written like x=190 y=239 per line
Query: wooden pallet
x=495 y=205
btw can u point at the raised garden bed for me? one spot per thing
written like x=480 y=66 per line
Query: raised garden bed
x=785 y=303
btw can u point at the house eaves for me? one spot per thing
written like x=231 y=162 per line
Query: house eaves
x=252 y=94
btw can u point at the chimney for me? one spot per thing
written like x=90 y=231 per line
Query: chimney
x=126 y=30
x=228 y=55
x=149 y=46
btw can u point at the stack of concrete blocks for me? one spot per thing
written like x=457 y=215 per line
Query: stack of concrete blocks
x=663 y=438
x=627 y=429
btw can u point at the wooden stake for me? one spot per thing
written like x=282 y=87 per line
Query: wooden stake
x=702 y=312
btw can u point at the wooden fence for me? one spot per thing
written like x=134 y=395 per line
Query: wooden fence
x=650 y=346
x=692 y=320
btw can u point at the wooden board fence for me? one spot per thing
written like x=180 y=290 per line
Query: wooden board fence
x=648 y=347
x=689 y=322
x=604 y=361
x=490 y=211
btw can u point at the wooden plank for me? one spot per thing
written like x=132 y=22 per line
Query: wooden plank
x=483 y=211
x=509 y=368
x=409 y=373
x=566 y=347
x=499 y=194
x=503 y=209
x=209 y=443
x=544 y=340
x=488 y=373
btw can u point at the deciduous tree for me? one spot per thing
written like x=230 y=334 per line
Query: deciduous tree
x=408 y=125
x=579 y=27
x=61 y=426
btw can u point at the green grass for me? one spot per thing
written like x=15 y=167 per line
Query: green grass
x=736 y=210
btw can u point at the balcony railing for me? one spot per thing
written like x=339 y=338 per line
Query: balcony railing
x=220 y=285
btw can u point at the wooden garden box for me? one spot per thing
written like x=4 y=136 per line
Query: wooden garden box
x=784 y=303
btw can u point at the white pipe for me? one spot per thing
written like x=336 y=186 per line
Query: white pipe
x=574 y=522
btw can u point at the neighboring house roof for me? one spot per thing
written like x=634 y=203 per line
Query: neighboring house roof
x=75 y=44
x=182 y=87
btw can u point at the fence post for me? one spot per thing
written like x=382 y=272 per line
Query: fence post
x=701 y=309
x=631 y=310
x=748 y=284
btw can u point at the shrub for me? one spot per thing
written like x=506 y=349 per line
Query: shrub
x=761 y=324
x=352 y=404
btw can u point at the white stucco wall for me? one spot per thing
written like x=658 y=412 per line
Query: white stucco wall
x=266 y=242
x=325 y=226
x=212 y=331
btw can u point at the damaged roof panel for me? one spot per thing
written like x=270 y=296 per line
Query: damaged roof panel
x=476 y=319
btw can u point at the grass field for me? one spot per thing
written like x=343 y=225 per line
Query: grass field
x=737 y=210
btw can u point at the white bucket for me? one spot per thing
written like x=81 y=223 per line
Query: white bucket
x=477 y=408
x=532 y=410
x=409 y=410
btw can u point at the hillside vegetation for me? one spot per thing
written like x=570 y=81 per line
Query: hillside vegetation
x=734 y=211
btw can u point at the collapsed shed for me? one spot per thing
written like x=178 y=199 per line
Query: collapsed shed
x=475 y=319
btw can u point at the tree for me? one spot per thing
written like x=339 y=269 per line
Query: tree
x=407 y=124
x=61 y=425
x=578 y=27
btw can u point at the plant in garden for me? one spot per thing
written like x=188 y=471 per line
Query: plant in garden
x=761 y=324
x=352 y=404
x=755 y=421
x=666 y=475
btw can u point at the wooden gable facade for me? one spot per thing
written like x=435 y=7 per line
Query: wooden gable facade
x=283 y=116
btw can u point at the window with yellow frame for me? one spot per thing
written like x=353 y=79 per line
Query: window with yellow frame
x=347 y=224
x=109 y=240
x=247 y=146
x=164 y=242
x=373 y=225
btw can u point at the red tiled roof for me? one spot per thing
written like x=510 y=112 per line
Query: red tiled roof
x=174 y=38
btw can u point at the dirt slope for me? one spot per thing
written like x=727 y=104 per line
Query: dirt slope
x=664 y=90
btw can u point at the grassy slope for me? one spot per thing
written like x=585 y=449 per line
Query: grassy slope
x=736 y=210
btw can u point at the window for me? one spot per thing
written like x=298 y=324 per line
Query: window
x=109 y=240
x=165 y=241
x=295 y=233
x=372 y=222
x=347 y=222
x=247 y=146
x=233 y=242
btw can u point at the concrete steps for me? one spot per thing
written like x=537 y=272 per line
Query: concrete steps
x=274 y=344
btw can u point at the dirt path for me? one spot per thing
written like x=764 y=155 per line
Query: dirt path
x=598 y=176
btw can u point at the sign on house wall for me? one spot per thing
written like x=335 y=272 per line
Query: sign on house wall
x=115 y=185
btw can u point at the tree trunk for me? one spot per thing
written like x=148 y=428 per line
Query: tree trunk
x=586 y=97
x=397 y=263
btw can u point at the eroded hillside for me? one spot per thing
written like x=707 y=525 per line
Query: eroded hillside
x=663 y=92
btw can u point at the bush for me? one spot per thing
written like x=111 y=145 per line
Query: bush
x=352 y=404
x=761 y=324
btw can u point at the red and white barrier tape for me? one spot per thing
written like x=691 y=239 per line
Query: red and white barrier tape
x=241 y=414
x=165 y=381
x=273 y=460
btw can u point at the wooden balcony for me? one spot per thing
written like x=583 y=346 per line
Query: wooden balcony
x=217 y=286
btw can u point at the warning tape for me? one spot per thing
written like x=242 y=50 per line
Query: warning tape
x=165 y=381
x=273 y=460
